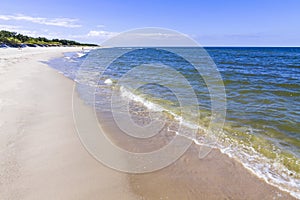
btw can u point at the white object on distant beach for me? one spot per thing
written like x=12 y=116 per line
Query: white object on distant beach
x=108 y=82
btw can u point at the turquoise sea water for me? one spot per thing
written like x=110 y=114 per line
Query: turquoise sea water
x=262 y=128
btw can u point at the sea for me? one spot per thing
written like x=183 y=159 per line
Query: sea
x=261 y=127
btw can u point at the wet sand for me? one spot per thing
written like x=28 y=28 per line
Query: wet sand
x=216 y=176
x=42 y=157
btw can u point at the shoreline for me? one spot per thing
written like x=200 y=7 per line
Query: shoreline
x=44 y=157
x=217 y=176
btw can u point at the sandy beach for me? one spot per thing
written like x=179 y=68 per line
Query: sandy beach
x=42 y=157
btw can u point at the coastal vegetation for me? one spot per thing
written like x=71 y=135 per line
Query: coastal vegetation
x=14 y=39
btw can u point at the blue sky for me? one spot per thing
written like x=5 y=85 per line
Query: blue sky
x=210 y=22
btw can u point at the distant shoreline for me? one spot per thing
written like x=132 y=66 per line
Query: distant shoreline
x=17 y=40
x=4 y=45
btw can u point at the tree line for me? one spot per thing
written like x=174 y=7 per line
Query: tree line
x=14 y=39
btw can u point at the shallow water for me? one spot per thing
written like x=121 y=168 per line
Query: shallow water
x=262 y=128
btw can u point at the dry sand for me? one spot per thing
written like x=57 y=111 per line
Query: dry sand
x=42 y=157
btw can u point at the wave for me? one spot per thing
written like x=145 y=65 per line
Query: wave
x=255 y=153
x=256 y=147
x=80 y=55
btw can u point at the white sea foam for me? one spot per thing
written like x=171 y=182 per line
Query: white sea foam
x=79 y=55
x=273 y=173
x=108 y=82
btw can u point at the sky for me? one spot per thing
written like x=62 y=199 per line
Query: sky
x=209 y=22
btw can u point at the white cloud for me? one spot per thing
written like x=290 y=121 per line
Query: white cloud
x=101 y=34
x=93 y=36
x=94 y=33
x=147 y=37
x=18 y=29
x=31 y=33
x=63 y=22
x=9 y=27
x=153 y=35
